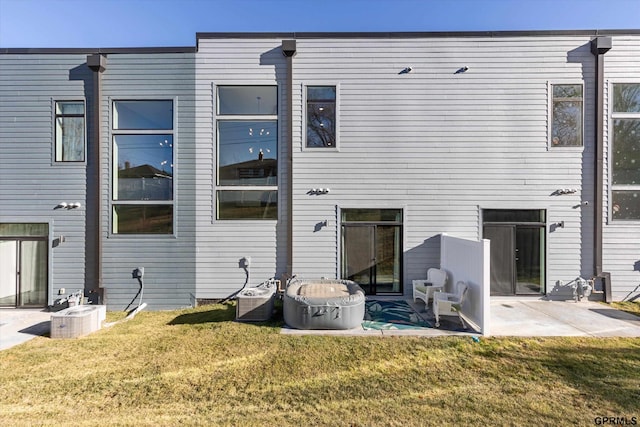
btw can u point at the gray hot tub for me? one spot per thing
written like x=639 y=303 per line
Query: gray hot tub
x=323 y=304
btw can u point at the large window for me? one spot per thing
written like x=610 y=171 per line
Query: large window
x=247 y=155
x=566 y=115
x=625 y=152
x=321 y=116
x=143 y=147
x=69 y=131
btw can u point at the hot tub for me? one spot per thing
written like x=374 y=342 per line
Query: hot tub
x=323 y=304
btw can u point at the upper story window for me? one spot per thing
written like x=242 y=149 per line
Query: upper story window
x=69 y=131
x=625 y=152
x=247 y=154
x=143 y=158
x=566 y=115
x=321 y=116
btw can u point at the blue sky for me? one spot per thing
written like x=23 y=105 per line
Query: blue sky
x=130 y=23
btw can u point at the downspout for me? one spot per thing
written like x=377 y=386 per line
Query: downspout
x=289 y=50
x=97 y=63
x=600 y=46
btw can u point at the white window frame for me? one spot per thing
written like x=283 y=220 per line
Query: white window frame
x=550 y=85
x=243 y=117
x=612 y=116
x=113 y=168
x=304 y=86
x=54 y=133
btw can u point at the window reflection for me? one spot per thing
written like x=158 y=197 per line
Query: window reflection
x=625 y=204
x=625 y=153
x=321 y=116
x=69 y=131
x=248 y=152
x=251 y=204
x=145 y=167
x=153 y=115
x=143 y=219
x=566 y=128
x=246 y=100
x=626 y=97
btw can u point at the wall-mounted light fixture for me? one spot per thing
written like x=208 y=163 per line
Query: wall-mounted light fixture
x=562 y=191
x=316 y=191
x=462 y=70
x=65 y=205
x=406 y=70
x=57 y=241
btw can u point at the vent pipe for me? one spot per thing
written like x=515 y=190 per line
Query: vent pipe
x=97 y=64
x=600 y=46
x=289 y=50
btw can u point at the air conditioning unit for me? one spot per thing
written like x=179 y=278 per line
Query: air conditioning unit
x=256 y=304
x=77 y=321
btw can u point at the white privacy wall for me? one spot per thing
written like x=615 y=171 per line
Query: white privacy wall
x=468 y=260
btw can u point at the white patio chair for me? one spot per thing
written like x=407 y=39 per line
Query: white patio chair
x=450 y=304
x=424 y=289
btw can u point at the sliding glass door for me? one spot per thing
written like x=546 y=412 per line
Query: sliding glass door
x=23 y=265
x=517 y=251
x=372 y=249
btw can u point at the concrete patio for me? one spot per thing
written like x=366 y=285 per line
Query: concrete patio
x=509 y=317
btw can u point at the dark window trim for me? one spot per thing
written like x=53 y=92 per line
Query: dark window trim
x=56 y=115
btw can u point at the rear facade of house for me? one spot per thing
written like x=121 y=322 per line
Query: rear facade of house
x=257 y=156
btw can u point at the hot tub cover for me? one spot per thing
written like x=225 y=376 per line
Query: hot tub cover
x=323 y=304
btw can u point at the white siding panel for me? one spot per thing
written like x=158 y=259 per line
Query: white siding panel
x=221 y=244
x=442 y=145
x=621 y=239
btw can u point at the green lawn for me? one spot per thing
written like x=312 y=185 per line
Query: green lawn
x=197 y=367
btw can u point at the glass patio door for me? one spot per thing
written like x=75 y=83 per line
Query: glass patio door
x=8 y=273
x=359 y=260
x=372 y=249
x=502 y=256
x=24 y=262
x=517 y=251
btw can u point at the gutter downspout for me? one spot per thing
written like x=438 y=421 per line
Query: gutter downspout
x=600 y=46
x=97 y=63
x=289 y=50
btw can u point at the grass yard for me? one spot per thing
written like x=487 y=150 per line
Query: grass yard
x=198 y=367
x=629 y=307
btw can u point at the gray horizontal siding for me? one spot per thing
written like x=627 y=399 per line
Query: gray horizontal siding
x=437 y=144
x=169 y=261
x=31 y=184
x=221 y=244
x=621 y=247
x=442 y=145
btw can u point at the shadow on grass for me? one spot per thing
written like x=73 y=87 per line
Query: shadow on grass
x=631 y=307
x=224 y=313
x=217 y=313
